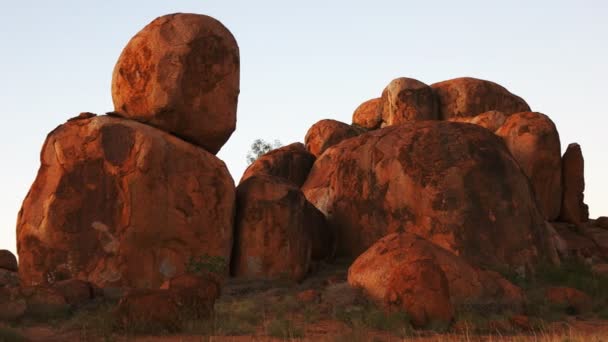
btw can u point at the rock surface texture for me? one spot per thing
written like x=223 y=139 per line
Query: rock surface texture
x=468 y=97
x=8 y=261
x=327 y=133
x=491 y=120
x=534 y=142
x=406 y=100
x=120 y=203
x=368 y=115
x=180 y=73
x=573 y=209
x=454 y=184
x=291 y=162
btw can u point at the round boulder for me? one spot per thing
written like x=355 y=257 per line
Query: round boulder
x=452 y=183
x=120 y=203
x=534 y=142
x=180 y=73
x=467 y=97
x=368 y=115
x=8 y=261
x=405 y=100
x=327 y=133
x=291 y=162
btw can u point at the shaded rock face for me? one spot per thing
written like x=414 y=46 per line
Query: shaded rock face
x=369 y=114
x=327 y=133
x=602 y=222
x=468 y=97
x=454 y=184
x=277 y=230
x=119 y=203
x=373 y=270
x=8 y=261
x=572 y=300
x=405 y=100
x=573 y=209
x=491 y=120
x=534 y=142
x=180 y=73
x=292 y=162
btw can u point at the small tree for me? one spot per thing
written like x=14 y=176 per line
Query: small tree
x=261 y=147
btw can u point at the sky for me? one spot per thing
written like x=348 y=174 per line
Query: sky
x=305 y=61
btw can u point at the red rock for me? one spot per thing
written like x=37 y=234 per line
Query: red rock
x=454 y=184
x=577 y=245
x=8 y=278
x=308 y=296
x=599 y=237
x=43 y=301
x=74 y=291
x=467 y=285
x=369 y=114
x=574 y=301
x=277 y=230
x=180 y=73
x=119 y=203
x=420 y=288
x=602 y=222
x=406 y=100
x=12 y=306
x=534 y=142
x=291 y=162
x=327 y=133
x=208 y=285
x=491 y=120
x=573 y=209
x=466 y=96
x=8 y=261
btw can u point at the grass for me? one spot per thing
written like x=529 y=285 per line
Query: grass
x=367 y=315
x=284 y=328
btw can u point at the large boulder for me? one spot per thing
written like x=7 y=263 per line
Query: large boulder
x=369 y=114
x=573 y=209
x=452 y=183
x=468 y=285
x=180 y=73
x=466 y=96
x=8 y=261
x=491 y=120
x=291 y=162
x=405 y=100
x=533 y=140
x=326 y=133
x=120 y=203
x=277 y=231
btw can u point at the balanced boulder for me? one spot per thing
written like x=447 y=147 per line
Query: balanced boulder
x=180 y=73
x=452 y=183
x=291 y=162
x=368 y=115
x=405 y=100
x=573 y=209
x=467 y=97
x=120 y=203
x=327 y=133
x=534 y=142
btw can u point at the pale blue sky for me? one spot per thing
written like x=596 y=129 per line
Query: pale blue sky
x=305 y=61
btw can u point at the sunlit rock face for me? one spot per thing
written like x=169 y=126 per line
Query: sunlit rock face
x=326 y=133
x=120 y=203
x=291 y=162
x=180 y=73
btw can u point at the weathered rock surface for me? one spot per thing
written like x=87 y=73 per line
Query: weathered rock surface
x=180 y=73
x=277 y=230
x=369 y=114
x=454 y=184
x=372 y=272
x=291 y=162
x=576 y=244
x=8 y=261
x=573 y=209
x=75 y=291
x=534 y=142
x=406 y=100
x=467 y=97
x=120 y=203
x=491 y=120
x=43 y=301
x=327 y=133
x=572 y=300
x=9 y=278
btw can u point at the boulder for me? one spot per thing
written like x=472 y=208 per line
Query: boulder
x=291 y=162
x=406 y=100
x=420 y=288
x=573 y=209
x=452 y=183
x=120 y=203
x=467 y=97
x=534 y=142
x=572 y=300
x=467 y=285
x=491 y=120
x=327 y=133
x=8 y=278
x=277 y=230
x=369 y=114
x=75 y=291
x=180 y=73
x=8 y=261
x=602 y=222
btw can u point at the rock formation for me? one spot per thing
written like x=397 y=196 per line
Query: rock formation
x=326 y=133
x=180 y=73
x=573 y=209
x=491 y=120
x=369 y=114
x=405 y=100
x=291 y=162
